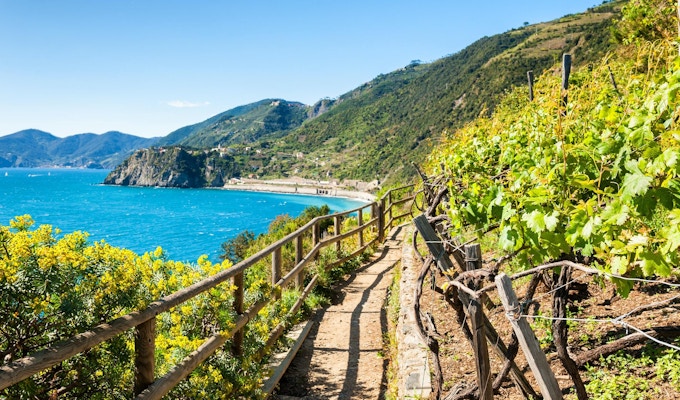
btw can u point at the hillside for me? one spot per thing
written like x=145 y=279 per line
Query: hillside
x=267 y=118
x=376 y=131
x=588 y=187
x=380 y=132
x=173 y=167
x=35 y=148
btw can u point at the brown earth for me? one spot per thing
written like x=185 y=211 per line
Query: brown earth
x=342 y=358
x=593 y=302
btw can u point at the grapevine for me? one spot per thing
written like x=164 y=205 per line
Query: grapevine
x=597 y=183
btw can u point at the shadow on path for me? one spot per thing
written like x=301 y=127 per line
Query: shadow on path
x=339 y=371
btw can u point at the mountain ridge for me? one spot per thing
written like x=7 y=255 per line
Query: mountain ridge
x=242 y=124
x=377 y=130
x=36 y=148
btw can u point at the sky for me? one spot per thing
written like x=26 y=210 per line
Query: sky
x=149 y=67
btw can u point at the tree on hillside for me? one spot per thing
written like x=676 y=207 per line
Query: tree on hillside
x=235 y=249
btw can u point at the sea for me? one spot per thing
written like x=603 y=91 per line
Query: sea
x=186 y=223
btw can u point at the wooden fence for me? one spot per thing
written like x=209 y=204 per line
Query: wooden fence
x=384 y=213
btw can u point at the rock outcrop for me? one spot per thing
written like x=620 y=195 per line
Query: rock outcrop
x=174 y=167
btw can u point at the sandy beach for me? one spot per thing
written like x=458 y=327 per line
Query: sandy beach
x=298 y=186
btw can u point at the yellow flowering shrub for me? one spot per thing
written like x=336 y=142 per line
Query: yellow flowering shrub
x=54 y=286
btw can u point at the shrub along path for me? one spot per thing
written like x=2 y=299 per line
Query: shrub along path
x=341 y=357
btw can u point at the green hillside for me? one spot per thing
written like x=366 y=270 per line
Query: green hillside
x=379 y=129
x=382 y=133
x=267 y=118
x=594 y=182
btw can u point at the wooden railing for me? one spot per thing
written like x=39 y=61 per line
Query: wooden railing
x=144 y=321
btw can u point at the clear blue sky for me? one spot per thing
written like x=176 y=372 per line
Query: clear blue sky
x=148 y=67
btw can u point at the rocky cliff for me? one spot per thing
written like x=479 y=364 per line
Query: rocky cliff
x=174 y=167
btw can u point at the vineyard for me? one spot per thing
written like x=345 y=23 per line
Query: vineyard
x=570 y=195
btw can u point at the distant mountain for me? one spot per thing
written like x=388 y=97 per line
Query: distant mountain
x=35 y=148
x=379 y=129
x=268 y=118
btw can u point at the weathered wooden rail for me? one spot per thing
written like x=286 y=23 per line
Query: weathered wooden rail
x=146 y=385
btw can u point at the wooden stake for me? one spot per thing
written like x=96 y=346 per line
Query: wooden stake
x=337 y=226
x=237 y=342
x=378 y=211
x=566 y=70
x=276 y=271
x=560 y=330
x=473 y=260
x=530 y=78
x=360 y=223
x=433 y=244
x=300 y=277
x=612 y=79
x=532 y=350
x=316 y=237
x=145 y=349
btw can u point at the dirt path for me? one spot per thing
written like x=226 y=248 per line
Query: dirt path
x=341 y=358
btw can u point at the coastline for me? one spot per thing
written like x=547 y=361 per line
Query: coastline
x=298 y=186
x=356 y=190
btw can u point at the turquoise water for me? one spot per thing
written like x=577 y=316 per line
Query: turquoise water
x=186 y=223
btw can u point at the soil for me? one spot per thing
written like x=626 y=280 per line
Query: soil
x=342 y=355
x=591 y=300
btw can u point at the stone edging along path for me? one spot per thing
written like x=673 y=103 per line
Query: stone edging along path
x=412 y=353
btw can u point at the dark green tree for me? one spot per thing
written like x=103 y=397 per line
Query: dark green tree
x=235 y=249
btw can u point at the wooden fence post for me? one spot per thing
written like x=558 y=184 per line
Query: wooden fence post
x=389 y=201
x=566 y=70
x=433 y=244
x=237 y=340
x=612 y=79
x=532 y=350
x=276 y=271
x=145 y=349
x=300 y=278
x=530 y=78
x=473 y=261
x=337 y=227
x=378 y=212
x=360 y=220
x=316 y=237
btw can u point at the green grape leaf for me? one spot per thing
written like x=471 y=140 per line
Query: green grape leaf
x=637 y=241
x=508 y=212
x=509 y=238
x=590 y=226
x=583 y=181
x=653 y=264
x=646 y=204
x=551 y=221
x=672 y=239
x=665 y=197
x=616 y=213
x=573 y=232
x=619 y=265
x=535 y=221
x=635 y=183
